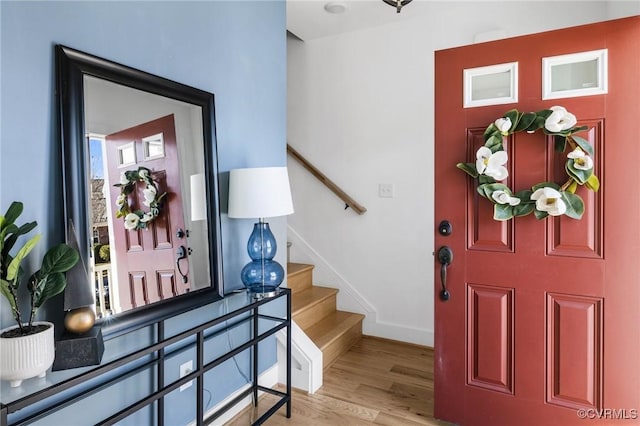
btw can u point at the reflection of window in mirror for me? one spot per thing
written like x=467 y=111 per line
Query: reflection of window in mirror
x=576 y=74
x=100 y=253
x=491 y=85
x=127 y=154
x=153 y=146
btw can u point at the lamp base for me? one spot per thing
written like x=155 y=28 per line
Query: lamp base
x=260 y=293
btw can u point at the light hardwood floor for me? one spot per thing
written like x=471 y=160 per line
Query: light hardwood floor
x=377 y=382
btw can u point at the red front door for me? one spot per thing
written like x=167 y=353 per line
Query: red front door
x=149 y=268
x=542 y=326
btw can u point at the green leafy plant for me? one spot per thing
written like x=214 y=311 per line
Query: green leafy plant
x=45 y=283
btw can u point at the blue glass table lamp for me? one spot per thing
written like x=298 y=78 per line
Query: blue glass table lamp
x=260 y=193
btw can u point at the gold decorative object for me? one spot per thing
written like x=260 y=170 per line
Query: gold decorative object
x=80 y=320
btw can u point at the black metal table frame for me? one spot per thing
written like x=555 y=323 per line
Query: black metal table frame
x=157 y=352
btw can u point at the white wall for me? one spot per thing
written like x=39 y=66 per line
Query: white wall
x=361 y=108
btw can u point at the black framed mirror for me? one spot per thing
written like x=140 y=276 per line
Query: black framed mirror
x=140 y=191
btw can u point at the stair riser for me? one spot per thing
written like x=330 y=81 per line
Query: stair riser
x=300 y=281
x=341 y=345
x=315 y=313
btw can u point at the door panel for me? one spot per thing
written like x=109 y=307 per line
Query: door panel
x=490 y=344
x=543 y=315
x=483 y=235
x=574 y=364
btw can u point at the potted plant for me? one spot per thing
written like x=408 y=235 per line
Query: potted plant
x=27 y=350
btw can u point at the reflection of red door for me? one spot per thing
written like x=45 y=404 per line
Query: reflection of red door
x=543 y=323
x=146 y=259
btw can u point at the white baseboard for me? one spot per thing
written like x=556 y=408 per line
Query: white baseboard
x=268 y=378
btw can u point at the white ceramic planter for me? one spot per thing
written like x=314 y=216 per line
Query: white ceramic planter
x=26 y=356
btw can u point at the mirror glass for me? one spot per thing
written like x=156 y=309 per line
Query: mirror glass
x=141 y=191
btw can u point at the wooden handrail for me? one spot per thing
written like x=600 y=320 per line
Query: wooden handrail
x=350 y=202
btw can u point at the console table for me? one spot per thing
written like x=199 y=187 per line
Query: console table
x=65 y=388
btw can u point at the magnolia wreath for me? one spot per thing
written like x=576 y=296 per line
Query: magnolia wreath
x=545 y=198
x=138 y=219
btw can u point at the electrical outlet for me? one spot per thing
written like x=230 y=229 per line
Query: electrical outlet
x=385 y=190
x=186 y=369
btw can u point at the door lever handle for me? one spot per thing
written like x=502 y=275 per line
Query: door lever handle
x=445 y=257
x=181 y=253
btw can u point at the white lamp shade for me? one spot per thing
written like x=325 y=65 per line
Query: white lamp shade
x=259 y=192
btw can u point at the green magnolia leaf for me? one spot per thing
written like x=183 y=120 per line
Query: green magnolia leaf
x=581 y=176
x=540 y=214
x=572 y=187
x=502 y=212
x=538 y=123
x=575 y=206
x=593 y=183
x=514 y=116
x=526 y=120
x=494 y=143
x=584 y=144
x=480 y=190
x=488 y=189
x=524 y=195
x=577 y=129
x=543 y=184
x=560 y=143
x=60 y=258
x=482 y=179
x=489 y=131
x=14 y=266
x=544 y=113
x=523 y=209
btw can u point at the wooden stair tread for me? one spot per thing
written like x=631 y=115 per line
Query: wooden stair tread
x=297 y=268
x=309 y=298
x=330 y=328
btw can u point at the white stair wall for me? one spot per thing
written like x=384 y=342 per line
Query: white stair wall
x=306 y=360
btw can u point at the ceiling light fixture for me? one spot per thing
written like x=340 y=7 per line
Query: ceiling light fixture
x=335 y=7
x=397 y=3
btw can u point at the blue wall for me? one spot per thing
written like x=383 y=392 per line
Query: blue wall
x=234 y=49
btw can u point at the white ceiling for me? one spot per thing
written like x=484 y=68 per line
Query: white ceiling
x=308 y=19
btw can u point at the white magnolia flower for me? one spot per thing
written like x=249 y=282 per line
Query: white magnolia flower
x=549 y=200
x=559 y=120
x=502 y=197
x=503 y=124
x=120 y=200
x=123 y=179
x=131 y=221
x=581 y=160
x=149 y=195
x=491 y=164
x=146 y=217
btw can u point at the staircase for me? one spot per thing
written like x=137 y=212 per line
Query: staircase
x=314 y=310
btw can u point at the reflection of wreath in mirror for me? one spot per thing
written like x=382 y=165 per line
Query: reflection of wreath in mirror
x=545 y=198
x=138 y=219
